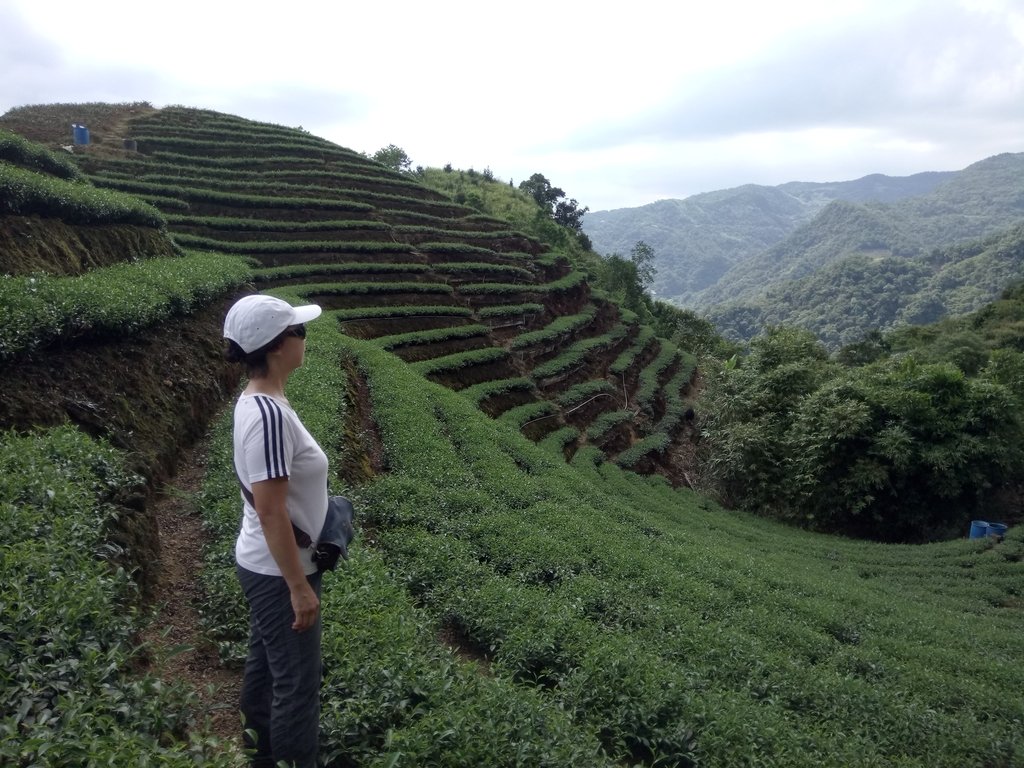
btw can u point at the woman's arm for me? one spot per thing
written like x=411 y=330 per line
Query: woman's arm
x=270 y=497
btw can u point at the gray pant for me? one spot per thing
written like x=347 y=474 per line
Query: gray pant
x=281 y=690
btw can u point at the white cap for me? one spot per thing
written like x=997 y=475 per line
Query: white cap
x=256 y=320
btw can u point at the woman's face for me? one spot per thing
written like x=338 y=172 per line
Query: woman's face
x=293 y=350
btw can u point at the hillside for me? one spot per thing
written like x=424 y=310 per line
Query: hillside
x=699 y=239
x=531 y=585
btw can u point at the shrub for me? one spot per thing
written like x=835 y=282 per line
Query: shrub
x=121 y=299
x=69 y=686
x=24 y=192
x=31 y=156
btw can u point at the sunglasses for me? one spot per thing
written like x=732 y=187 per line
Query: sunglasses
x=298 y=331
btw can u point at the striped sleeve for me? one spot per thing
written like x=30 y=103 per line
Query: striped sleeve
x=268 y=448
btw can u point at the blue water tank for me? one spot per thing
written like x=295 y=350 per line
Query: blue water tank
x=979 y=529
x=81 y=133
x=997 y=529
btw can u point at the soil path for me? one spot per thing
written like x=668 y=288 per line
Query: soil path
x=177 y=624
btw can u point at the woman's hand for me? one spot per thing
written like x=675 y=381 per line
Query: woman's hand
x=270 y=497
x=306 y=606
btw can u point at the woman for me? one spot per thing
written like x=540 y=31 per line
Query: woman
x=283 y=474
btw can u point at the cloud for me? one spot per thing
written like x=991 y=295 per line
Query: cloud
x=291 y=105
x=633 y=105
x=915 y=70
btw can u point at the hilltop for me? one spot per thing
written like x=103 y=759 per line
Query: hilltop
x=532 y=585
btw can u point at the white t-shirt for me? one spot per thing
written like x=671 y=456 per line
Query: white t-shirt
x=271 y=442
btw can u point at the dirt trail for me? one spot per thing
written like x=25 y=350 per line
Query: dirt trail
x=177 y=592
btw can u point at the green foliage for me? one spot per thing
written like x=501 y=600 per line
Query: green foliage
x=230 y=224
x=508 y=203
x=284 y=246
x=503 y=608
x=644 y=337
x=458 y=360
x=272 y=274
x=25 y=192
x=452 y=333
x=116 y=300
x=655 y=443
x=242 y=147
x=34 y=157
x=572 y=280
x=477 y=393
x=551 y=200
x=506 y=310
x=69 y=688
x=619 y=278
x=577 y=353
x=366 y=288
x=689 y=331
x=896 y=450
x=521 y=415
x=394 y=158
x=507 y=271
x=642 y=256
x=443 y=310
x=842 y=301
x=606 y=422
x=558 y=328
x=232 y=199
x=675 y=632
x=650 y=376
x=585 y=391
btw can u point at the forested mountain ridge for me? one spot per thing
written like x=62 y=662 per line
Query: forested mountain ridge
x=863 y=292
x=698 y=239
x=982 y=200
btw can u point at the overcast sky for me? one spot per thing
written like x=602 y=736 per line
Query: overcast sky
x=619 y=104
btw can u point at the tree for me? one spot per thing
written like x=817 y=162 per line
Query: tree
x=642 y=256
x=897 y=450
x=872 y=347
x=902 y=451
x=569 y=214
x=393 y=157
x=551 y=200
x=619 y=279
x=540 y=189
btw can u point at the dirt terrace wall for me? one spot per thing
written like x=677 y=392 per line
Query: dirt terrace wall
x=32 y=244
x=151 y=395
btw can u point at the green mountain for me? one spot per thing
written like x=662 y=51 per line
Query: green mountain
x=863 y=292
x=699 y=239
x=984 y=199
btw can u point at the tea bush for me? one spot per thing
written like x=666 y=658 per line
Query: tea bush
x=24 y=192
x=434 y=336
x=120 y=299
x=69 y=690
x=678 y=631
x=477 y=393
x=557 y=328
x=34 y=157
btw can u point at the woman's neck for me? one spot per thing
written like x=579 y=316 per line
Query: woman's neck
x=267 y=385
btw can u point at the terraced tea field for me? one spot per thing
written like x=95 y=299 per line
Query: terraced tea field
x=529 y=587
